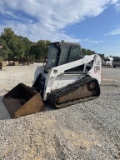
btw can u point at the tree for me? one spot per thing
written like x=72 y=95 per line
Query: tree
x=102 y=56
x=39 y=50
x=15 y=46
x=27 y=44
x=7 y=35
x=7 y=52
x=87 y=51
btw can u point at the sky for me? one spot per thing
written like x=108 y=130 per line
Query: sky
x=94 y=24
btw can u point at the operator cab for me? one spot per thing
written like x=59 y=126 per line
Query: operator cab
x=61 y=53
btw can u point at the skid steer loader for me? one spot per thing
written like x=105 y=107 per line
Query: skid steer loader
x=67 y=78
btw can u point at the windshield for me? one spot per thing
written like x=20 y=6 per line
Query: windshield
x=52 y=56
x=74 y=53
x=62 y=53
x=69 y=54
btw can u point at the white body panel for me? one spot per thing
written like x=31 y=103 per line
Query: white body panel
x=65 y=79
x=57 y=78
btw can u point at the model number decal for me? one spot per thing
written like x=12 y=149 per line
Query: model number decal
x=98 y=62
x=96 y=68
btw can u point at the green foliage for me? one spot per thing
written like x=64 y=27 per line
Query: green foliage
x=116 y=59
x=1 y=59
x=39 y=50
x=7 y=35
x=102 y=56
x=87 y=52
x=18 y=47
x=14 y=47
x=7 y=52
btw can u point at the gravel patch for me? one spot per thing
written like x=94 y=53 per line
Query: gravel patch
x=85 y=131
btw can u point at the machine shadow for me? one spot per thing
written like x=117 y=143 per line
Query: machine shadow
x=4 y=114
